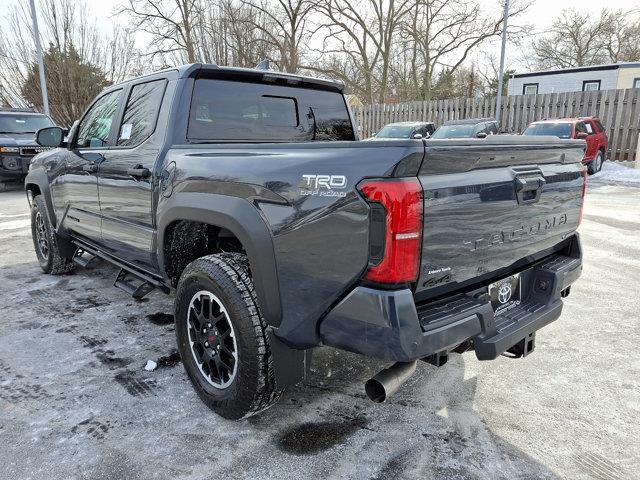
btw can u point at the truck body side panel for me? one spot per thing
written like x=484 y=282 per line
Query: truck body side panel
x=306 y=194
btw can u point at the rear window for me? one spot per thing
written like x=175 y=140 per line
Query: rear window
x=455 y=131
x=561 y=130
x=395 y=131
x=223 y=110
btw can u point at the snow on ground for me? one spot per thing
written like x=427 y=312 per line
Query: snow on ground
x=614 y=173
x=77 y=403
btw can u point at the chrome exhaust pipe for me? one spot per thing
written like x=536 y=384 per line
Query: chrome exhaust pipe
x=388 y=381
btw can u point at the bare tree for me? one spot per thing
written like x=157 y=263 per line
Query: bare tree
x=80 y=59
x=172 y=25
x=233 y=33
x=441 y=35
x=364 y=32
x=577 y=38
x=284 y=25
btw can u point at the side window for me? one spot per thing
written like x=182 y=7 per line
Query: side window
x=141 y=113
x=580 y=128
x=492 y=128
x=589 y=127
x=93 y=130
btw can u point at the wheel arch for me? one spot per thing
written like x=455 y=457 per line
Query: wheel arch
x=37 y=183
x=243 y=220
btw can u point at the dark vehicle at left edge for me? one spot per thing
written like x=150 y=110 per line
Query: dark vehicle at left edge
x=18 y=142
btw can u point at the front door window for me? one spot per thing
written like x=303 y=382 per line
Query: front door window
x=93 y=131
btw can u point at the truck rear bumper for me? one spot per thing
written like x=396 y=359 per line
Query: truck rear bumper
x=388 y=324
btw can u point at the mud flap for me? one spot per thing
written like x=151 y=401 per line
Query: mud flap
x=290 y=366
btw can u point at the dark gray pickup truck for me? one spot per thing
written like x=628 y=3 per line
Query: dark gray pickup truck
x=247 y=192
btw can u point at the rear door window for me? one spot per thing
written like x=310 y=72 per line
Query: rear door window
x=223 y=110
x=141 y=113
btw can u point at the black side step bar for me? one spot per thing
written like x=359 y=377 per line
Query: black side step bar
x=135 y=283
x=79 y=258
x=125 y=281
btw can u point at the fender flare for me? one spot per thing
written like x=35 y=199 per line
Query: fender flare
x=39 y=178
x=242 y=219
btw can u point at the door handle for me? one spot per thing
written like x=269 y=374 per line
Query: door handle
x=139 y=171
x=90 y=168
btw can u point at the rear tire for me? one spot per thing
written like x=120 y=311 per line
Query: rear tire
x=596 y=164
x=46 y=241
x=222 y=336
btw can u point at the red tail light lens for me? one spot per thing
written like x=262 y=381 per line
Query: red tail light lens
x=402 y=202
x=584 y=191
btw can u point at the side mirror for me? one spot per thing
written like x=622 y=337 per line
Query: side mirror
x=374 y=134
x=582 y=135
x=481 y=135
x=417 y=136
x=50 y=137
x=427 y=135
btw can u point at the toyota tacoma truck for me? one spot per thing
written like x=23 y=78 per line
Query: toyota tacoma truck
x=247 y=194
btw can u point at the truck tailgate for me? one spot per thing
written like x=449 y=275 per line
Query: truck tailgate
x=490 y=205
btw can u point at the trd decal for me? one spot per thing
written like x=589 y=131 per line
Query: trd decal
x=323 y=185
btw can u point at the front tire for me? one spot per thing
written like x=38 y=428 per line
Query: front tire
x=222 y=336
x=45 y=241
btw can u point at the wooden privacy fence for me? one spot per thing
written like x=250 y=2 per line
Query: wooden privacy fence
x=619 y=111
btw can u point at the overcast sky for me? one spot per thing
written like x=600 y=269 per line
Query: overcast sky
x=540 y=14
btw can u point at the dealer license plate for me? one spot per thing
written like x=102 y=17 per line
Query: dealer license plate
x=505 y=293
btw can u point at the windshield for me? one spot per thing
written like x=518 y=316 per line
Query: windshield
x=562 y=130
x=23 y=123
x=454 y=131
x=395 y=131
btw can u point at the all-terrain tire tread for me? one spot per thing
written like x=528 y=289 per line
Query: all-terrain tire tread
x=58 y=264
x=235 y=267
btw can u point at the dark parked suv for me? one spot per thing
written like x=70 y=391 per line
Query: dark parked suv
x=398 y=130
x=18 y=142
x=468 y=128
x=247 y=194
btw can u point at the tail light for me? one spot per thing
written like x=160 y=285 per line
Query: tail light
x=583 y=173
x=401 y=200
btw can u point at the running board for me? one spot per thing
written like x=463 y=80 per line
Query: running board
x=134 y=285
x=83 y=258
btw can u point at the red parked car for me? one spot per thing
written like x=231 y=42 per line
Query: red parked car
x=588 y=128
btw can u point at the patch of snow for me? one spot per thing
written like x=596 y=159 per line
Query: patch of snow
x=613 y=173
x=150 y=366
x=14 y=224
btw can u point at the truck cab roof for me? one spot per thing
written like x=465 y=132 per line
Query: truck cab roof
x=194 y=70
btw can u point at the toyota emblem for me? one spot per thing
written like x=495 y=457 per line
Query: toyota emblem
x=504 y=293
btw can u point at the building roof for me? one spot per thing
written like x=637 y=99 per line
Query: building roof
x=590 y=68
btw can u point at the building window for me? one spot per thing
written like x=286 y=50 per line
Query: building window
x=530 y=89
x=636 y=82
x=590 y=85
